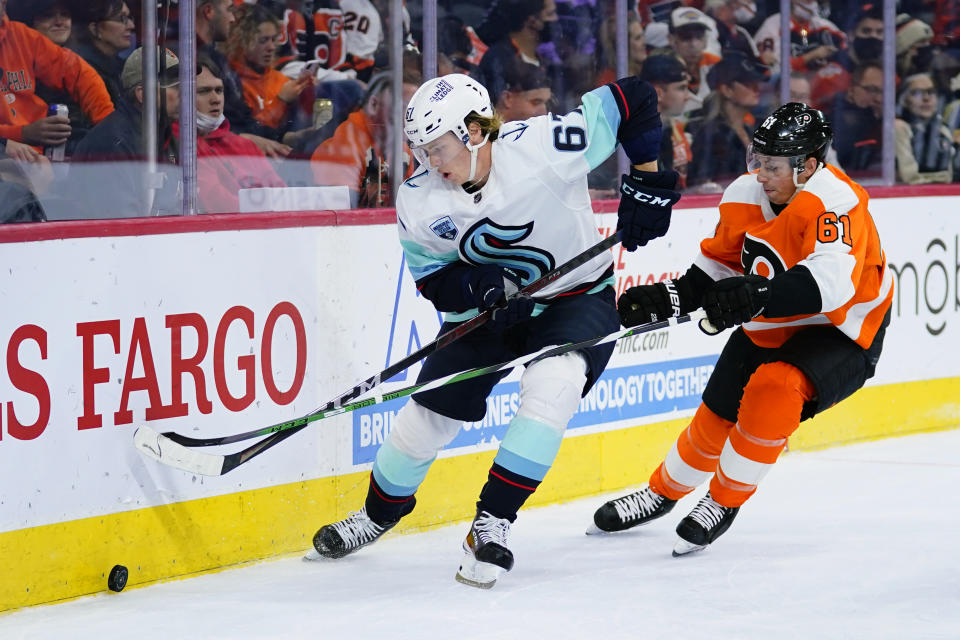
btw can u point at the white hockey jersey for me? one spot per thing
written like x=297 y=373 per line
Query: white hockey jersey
x=534 y=212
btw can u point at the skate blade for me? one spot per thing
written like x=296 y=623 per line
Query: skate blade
x=313 y=556
x=683 y=548
x=481 y=575
x=594 y=530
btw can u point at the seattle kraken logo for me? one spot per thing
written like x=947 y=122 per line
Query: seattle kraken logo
x=487 y=242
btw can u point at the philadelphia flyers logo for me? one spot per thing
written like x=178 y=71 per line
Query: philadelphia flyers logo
x=487 y=242
x=760 y=258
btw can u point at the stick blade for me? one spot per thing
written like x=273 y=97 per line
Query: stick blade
x=165 y=451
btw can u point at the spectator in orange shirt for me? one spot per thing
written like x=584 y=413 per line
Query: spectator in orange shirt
x=104 y=29
x=252 y=47
x=356 y=155
x=28 y=57
x=54 y=19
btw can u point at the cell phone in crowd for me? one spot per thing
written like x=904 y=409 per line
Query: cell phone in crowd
x=312 y=66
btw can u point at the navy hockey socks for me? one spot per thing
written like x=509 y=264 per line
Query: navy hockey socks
x=383 y=508
x=505 y=492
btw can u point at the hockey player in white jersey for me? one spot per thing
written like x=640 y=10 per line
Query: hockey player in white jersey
x=493 y=207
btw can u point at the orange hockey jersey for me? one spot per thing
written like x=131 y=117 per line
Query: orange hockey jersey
x=826 y=228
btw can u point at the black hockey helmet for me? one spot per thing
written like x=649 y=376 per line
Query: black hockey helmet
x=794 y=130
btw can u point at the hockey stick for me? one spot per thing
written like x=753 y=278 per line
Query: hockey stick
x=284 y=430
x=165 y=450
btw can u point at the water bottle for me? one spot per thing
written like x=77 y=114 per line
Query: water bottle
x=56 y=153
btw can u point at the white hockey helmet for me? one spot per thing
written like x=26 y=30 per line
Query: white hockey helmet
x=441 y=105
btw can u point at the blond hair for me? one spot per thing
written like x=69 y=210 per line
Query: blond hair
x=244 y=30
x=488 y=124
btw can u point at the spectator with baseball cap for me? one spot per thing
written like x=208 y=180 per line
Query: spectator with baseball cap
x=722 y=135
x=671 y=81
x=118 y=139
x=691 y=31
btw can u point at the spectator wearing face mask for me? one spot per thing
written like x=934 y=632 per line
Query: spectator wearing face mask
x=515 y=29
x=925 y=151
x=226 y=162
x=866 y=45
x=915 y=50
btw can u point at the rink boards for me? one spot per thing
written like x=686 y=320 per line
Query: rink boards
x=221 y=324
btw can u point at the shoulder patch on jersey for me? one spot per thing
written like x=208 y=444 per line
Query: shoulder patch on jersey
x=444 y=228
x=521 y=128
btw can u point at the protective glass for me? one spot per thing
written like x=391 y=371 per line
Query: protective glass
x=439 y=152
x=775 y=166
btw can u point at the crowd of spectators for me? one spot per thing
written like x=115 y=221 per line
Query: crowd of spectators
x=295 y=92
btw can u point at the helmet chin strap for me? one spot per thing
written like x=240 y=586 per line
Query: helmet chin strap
x=796 y=172
x=473 y=149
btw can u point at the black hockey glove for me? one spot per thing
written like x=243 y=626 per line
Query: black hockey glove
x=733 y=301
x=493 y=287
x=648 y=303
x=646 y=201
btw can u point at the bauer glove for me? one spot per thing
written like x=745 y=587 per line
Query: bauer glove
x=733 y=301
x=648 y=303
x=646 y=202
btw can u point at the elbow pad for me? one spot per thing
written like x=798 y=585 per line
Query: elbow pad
x=640 y=127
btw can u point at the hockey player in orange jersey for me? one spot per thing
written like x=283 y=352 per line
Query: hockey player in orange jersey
x=797 y=262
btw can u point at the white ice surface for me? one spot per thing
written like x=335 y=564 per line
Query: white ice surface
x=857 y=542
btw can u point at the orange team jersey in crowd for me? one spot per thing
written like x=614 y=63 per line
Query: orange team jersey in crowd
x=352 y=157
x=261 y=93
x=341 y=39
x=828 y=229
x=26 y=57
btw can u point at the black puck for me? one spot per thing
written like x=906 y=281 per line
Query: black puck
x=117 y=579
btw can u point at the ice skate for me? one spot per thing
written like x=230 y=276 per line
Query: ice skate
x=629 y=511
x=485 y=553
x=703 y=525
x=346 y=536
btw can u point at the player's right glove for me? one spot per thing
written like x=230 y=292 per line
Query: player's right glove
x=646 y=202
x=648 y=303
x=497 y=288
